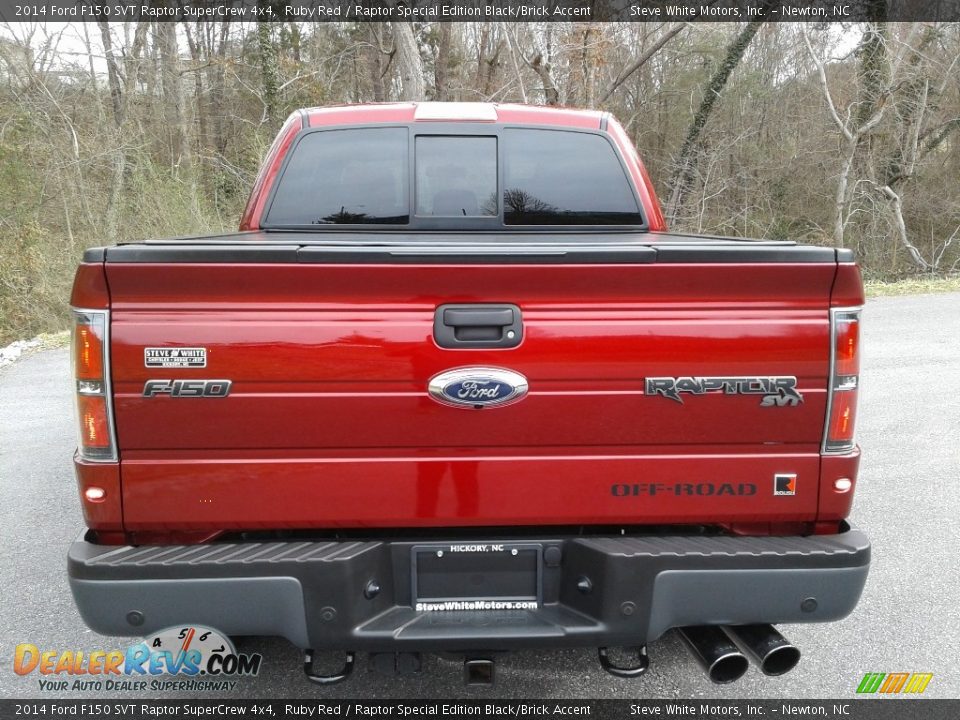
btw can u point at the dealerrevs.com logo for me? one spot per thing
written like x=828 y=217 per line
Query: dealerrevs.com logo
x=189 y=657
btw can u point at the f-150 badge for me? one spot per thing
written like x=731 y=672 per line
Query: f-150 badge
x=187 y=388
x=477 y=387
x=778 y=391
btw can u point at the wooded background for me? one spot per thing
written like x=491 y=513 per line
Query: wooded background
x=841 y=135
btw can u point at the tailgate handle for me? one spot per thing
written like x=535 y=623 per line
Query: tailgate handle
x=477 y=317
x=478 y=326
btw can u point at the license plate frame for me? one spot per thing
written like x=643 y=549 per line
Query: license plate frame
x=513 y=568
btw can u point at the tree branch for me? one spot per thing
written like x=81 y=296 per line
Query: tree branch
x=642 y=60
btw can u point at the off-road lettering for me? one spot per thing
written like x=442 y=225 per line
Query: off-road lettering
x=698 y=489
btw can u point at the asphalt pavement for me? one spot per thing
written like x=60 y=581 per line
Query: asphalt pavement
x=908 y=501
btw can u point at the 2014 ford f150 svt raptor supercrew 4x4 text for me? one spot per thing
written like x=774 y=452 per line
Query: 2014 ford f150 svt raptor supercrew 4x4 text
x=455 y=388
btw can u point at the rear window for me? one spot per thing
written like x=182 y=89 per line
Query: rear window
x=345 y=177
x=362 y=177
x=456 y=176
x=564 y=178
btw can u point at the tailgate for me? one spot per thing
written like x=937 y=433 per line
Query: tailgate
x=328 y=422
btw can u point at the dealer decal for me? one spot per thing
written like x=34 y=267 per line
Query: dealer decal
x=175 y=357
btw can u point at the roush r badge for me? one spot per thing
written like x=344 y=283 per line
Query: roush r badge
x=785 y=484
x=477 y=387
x=175 y=357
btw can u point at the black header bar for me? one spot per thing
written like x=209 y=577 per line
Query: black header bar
x=125 y=708
x=480 y=10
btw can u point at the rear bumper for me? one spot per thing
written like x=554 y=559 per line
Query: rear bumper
x=313 y=593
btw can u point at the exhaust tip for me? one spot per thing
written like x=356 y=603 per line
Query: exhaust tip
x=715 y=653
x=780 y=661
x=728 y=668
x=771 y=651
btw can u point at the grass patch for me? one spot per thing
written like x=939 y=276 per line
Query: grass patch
x=53 y=340
x=913 y=286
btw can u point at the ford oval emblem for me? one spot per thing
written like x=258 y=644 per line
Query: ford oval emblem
x=477 y=387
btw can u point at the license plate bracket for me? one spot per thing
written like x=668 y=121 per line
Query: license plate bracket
x=477 y=573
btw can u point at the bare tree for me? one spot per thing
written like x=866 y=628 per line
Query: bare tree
x=269 y=73
x=409 y=62
x=444 y=61
x=541 y=63
x=686 y=160
x=642 y=60
x=114 y=73
x=590 y=39
x=860 y=121
x=166 y=40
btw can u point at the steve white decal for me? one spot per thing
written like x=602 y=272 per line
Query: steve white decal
x=175 y=357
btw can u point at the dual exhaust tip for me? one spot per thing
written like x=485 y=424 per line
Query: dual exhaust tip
x=718 y=650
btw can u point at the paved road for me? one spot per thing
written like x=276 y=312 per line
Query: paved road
x=908 y=500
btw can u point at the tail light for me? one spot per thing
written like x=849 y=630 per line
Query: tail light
x=844 y=380
x=91 y=372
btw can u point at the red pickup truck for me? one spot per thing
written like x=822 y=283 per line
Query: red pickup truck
x=455 y=388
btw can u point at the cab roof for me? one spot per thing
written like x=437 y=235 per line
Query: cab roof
x=409 y=112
